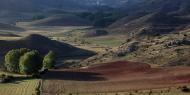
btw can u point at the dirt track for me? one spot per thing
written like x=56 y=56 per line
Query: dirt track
x=114 y=77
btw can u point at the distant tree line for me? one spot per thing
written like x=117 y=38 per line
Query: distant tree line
x=26 y=61
x=38 y=17
x=101 y=18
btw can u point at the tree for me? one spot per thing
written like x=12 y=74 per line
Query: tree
x=12 y=59
x=23 y=51
x=49 y=60
x=30 y=62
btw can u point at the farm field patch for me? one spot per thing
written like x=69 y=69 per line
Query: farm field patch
x=106 y=41
x=22 y=87
x=114 y=77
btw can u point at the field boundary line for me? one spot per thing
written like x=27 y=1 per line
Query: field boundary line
x=41 y=87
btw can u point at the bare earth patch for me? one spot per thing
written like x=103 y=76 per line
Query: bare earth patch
x=113 y=77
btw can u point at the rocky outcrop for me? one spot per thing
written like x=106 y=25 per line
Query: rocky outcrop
x=174 y=43
x=127 y=48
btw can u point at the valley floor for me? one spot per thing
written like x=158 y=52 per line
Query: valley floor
x=123 y=78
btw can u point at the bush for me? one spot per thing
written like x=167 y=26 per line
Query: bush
x=185 y=89
x=49 y=60
x=36 y=75
x=30 y=62
x=44 y=71
x=5 y=78
x=2 y=76
x=12 y=59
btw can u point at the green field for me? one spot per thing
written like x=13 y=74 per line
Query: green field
x=106 y=41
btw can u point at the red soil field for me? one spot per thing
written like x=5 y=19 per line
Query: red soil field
x=114 y=77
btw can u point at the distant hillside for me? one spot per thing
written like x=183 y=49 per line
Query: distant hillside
x=151 y=24
x=7 y=27
x=171 y=49
x=149 y=6
x=152 y=17
x=157 y=32
x=60 y=20
x=12 y=11
x=32 y=5
x=43 y=45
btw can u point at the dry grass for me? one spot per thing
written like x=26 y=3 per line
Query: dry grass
x=9 y=38
x=24 y=87
x=19 y=87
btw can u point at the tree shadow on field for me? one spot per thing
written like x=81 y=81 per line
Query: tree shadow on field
x=73 y=75
x=18 y=79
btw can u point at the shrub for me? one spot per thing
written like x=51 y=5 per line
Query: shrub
x=2 y=76
x=5 y=78
x=44 y=71
x=36 y=75
x=49 y=60
x=185 y=89
x=30 y=62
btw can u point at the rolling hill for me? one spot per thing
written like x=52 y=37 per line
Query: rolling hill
x=12 y=11
x=152 y=24
x=157 y=31
x=60 y=20
x=179 y=7
x=152 y=15
x=8 y=27
x=43 y=45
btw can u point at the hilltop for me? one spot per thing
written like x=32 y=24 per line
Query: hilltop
x=43 y=45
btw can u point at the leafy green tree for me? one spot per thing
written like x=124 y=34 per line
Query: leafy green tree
x=49 y=60
x=23 y=51
x=30 y=62
x=12 y=59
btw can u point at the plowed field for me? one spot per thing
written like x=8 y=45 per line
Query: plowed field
x=113 y=77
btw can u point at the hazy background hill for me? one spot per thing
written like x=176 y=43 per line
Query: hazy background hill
x=12 y=11
x=165 y=14
x=60 y=20
x=25 y=9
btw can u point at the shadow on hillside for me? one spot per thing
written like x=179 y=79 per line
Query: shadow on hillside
x=75 y=76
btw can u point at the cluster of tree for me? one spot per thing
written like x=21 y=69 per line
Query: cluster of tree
x=26 y=61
